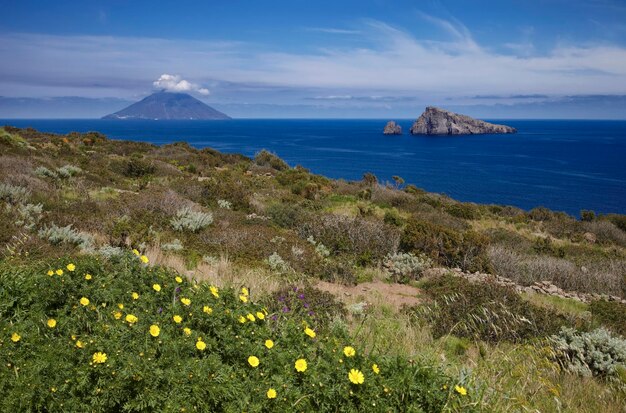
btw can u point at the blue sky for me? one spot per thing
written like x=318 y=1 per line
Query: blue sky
x=322 y=58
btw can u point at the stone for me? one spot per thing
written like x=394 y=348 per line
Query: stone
x=436 y=121
x=392 y=128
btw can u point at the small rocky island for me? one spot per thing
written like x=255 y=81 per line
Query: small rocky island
x=435 y=121
x=392 y=128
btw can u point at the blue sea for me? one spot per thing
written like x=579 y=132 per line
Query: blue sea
x=565 y=165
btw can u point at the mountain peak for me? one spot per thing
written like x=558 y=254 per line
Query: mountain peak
x=163 y=105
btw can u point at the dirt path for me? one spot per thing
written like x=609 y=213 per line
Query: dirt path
x=377 y=292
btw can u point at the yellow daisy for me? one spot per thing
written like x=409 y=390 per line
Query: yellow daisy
x=99 y=357
x=135 y=296
x=59 y=272
x=50 y=273
x=461 y=390
x=356 y=376
x=269 y=343
x=187 y=331
x=156 y=287
x=70 y=267
x=271 y=394
x=84 y=301
x=207 y=309
x=15 y=337
x=309 y=332
x=250 y=317
x=375 y=368
x=177 y=319
x=214 y=291
x=131 y=319
x=253 y=361
x=349 y=351
x=117 y=315
x=301 y=365
x=88 y=277
x=260 y=315
x=200 y=345
x=52 y=323
x=155 y=330
x=185 y=301
x=144 y=259
x=178 y=280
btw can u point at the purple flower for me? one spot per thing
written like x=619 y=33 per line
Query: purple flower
x=274 y=317
x=281 y=299
x=301 y=296
x=295 y=289
x=306 y=305
x=285 y=309
x=311 y=313
x=160 y=310
x=177 y=289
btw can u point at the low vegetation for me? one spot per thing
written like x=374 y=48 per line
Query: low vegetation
x=320 y=267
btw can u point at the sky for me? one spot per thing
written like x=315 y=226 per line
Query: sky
x=341 y=58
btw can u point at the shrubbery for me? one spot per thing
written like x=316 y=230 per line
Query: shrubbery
x=12 y=194
x=466 y=250
x=611 y=314
x=596 y=353
x=405 y=267
x=268 y=159
x=66 y=235
x=484 y=311
x=319 y=306
x=125 y=337
x=189 y=220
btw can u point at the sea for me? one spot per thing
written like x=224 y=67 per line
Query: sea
x=564 y=165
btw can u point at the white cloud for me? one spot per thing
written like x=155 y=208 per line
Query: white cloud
x=388 y=61
x=174 y=83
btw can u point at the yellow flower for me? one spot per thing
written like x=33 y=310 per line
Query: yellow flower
x=309 y=332
x=84 y=301
x=200 y=345
x=271 y=394
x=135 y=296
x=117 y=315
x=120 y=306
x=187 y=331
x=131 y=319
x=99 y=357
x=135 y=252
x=214 y=291
x=250 y=317
x=185 y=301
x=178 y=280
x=71 y=267
x=59 y=272
x=243 y=298
x=88 y=277
x=349 y=351
x=177 y=319
x=301 y=365
x=80 y=344
x=260 y=315
x=52 y=323
x=144 y=259
x=242 y=319
x=207 y=309
x=156 y=287
x=253 y=361
x=50 y=273
x=245 y=291
x=15 y=337
x=356 y=376
x=155 y=330
x=375 y=368
x=461 y=390
x=269 y=343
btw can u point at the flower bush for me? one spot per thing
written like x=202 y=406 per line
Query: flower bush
x=404 y=267
x=188 y=219
x=114 y=345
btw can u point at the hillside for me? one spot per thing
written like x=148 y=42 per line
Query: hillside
x=396 y=299
x=168 y=106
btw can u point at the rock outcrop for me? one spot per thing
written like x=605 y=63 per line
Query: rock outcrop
x=435 y=121
x=392 y=128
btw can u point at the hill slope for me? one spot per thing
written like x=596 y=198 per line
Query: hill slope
x=170 y=106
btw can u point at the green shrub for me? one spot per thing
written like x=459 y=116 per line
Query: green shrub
x=595 y=353
x=611 y=314
x=269 y=159
x=105 y=353
x=588 y=216
x=404 y=267
x=366 y=240
x=189 y=220
x=286 y=215
x=12 y=194
x=136 y=167
x=484 y=311
x=466 y=250
x=464 y=211
x=66 y=235
x=68 y=171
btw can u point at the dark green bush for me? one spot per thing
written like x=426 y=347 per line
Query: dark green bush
x=466 y=250
x=610 y=314
x=485 y=311
x=587 y=216
x=464 y=211
x=137 y=167
x=269 y=159
x=286 y=215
